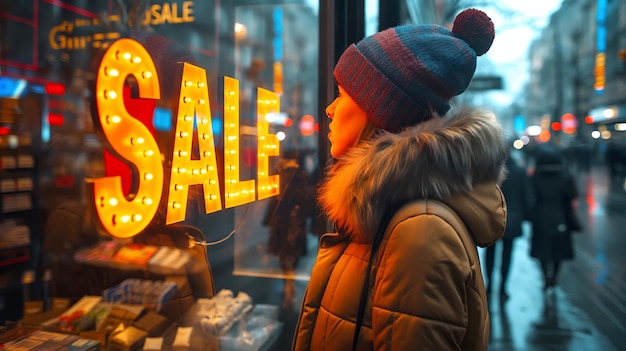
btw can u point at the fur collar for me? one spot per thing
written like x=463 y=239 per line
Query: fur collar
x=440 y=159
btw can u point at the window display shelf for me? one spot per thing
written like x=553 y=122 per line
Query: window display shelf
x=243 y=326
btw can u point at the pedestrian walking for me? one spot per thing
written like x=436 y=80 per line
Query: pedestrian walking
x=413 y=190
x=555 y=190
x=519 y=202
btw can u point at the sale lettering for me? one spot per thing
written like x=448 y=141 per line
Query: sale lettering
x=169 y=13
x=126 y=216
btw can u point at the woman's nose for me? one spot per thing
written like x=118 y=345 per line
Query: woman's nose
x=330 y=109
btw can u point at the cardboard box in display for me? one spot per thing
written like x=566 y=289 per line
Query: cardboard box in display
x=128 y=339
x=35 y=316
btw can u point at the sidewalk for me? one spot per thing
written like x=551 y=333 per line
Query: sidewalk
x=532 y=319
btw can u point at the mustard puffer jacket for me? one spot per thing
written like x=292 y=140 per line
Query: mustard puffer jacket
x=427 y=292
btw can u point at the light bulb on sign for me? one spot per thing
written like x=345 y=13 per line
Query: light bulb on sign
x=231 y=148
x=187 y=111
x=267 y=103
x=118 y=127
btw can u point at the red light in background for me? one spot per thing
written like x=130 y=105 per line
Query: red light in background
x=5 y=130
x=592 y=204
x=55 y=89
x=556 y=126
x=589 y=120
x=288 y=122
x=56 y=119
x=569 y=123
x=307 y=125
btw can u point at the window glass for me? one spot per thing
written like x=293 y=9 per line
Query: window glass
x=189 y=124
x=276 y=48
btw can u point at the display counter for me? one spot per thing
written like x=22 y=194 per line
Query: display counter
x=223 y=322
x=145 y=303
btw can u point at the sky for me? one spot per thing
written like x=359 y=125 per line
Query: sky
x=511 y=42
x=509 y=52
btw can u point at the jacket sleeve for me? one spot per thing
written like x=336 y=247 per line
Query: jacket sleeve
x=421 y=287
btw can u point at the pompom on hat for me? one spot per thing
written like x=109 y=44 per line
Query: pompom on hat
x=403 y=75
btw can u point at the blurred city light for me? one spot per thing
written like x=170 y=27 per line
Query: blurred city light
x=533 y=130
x=240 y=31
x=280 y=118
x=307 y=125
x=569 y=123
x=55 y=88
x=610 y=112
x=519 y=123
x=524 y=139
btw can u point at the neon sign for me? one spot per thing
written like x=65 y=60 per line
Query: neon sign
x=600 y=70
x=126 y=216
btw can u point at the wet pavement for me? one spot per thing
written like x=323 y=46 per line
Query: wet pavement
x=586 y=310
x=534 y=319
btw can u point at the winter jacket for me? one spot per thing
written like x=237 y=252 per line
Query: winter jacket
x=427 y=291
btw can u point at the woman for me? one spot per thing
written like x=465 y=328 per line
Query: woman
x=429 y=181
x=555 y=190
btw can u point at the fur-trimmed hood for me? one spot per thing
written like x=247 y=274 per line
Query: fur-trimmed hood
x=453 y=159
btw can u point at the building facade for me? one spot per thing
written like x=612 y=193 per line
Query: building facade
x=577 y=70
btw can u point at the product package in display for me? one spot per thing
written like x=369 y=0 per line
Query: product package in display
x=234 y=320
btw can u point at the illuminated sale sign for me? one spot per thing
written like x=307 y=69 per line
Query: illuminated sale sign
x=126 y=216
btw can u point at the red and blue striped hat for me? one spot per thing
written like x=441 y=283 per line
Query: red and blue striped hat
x=407 y=74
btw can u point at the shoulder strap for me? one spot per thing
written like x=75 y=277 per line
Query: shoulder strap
x=384 y=222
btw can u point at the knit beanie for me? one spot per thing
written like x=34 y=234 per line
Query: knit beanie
x=404 y=75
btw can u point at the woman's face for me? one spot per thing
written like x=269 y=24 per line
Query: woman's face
x=347 y=120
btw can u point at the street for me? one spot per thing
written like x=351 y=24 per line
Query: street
x=587 y=309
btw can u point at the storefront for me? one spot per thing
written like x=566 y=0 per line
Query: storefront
x=130 y=126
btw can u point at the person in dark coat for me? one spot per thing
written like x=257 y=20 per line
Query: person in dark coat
x=286 y=216
x=519 y=202
x=555 y=189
